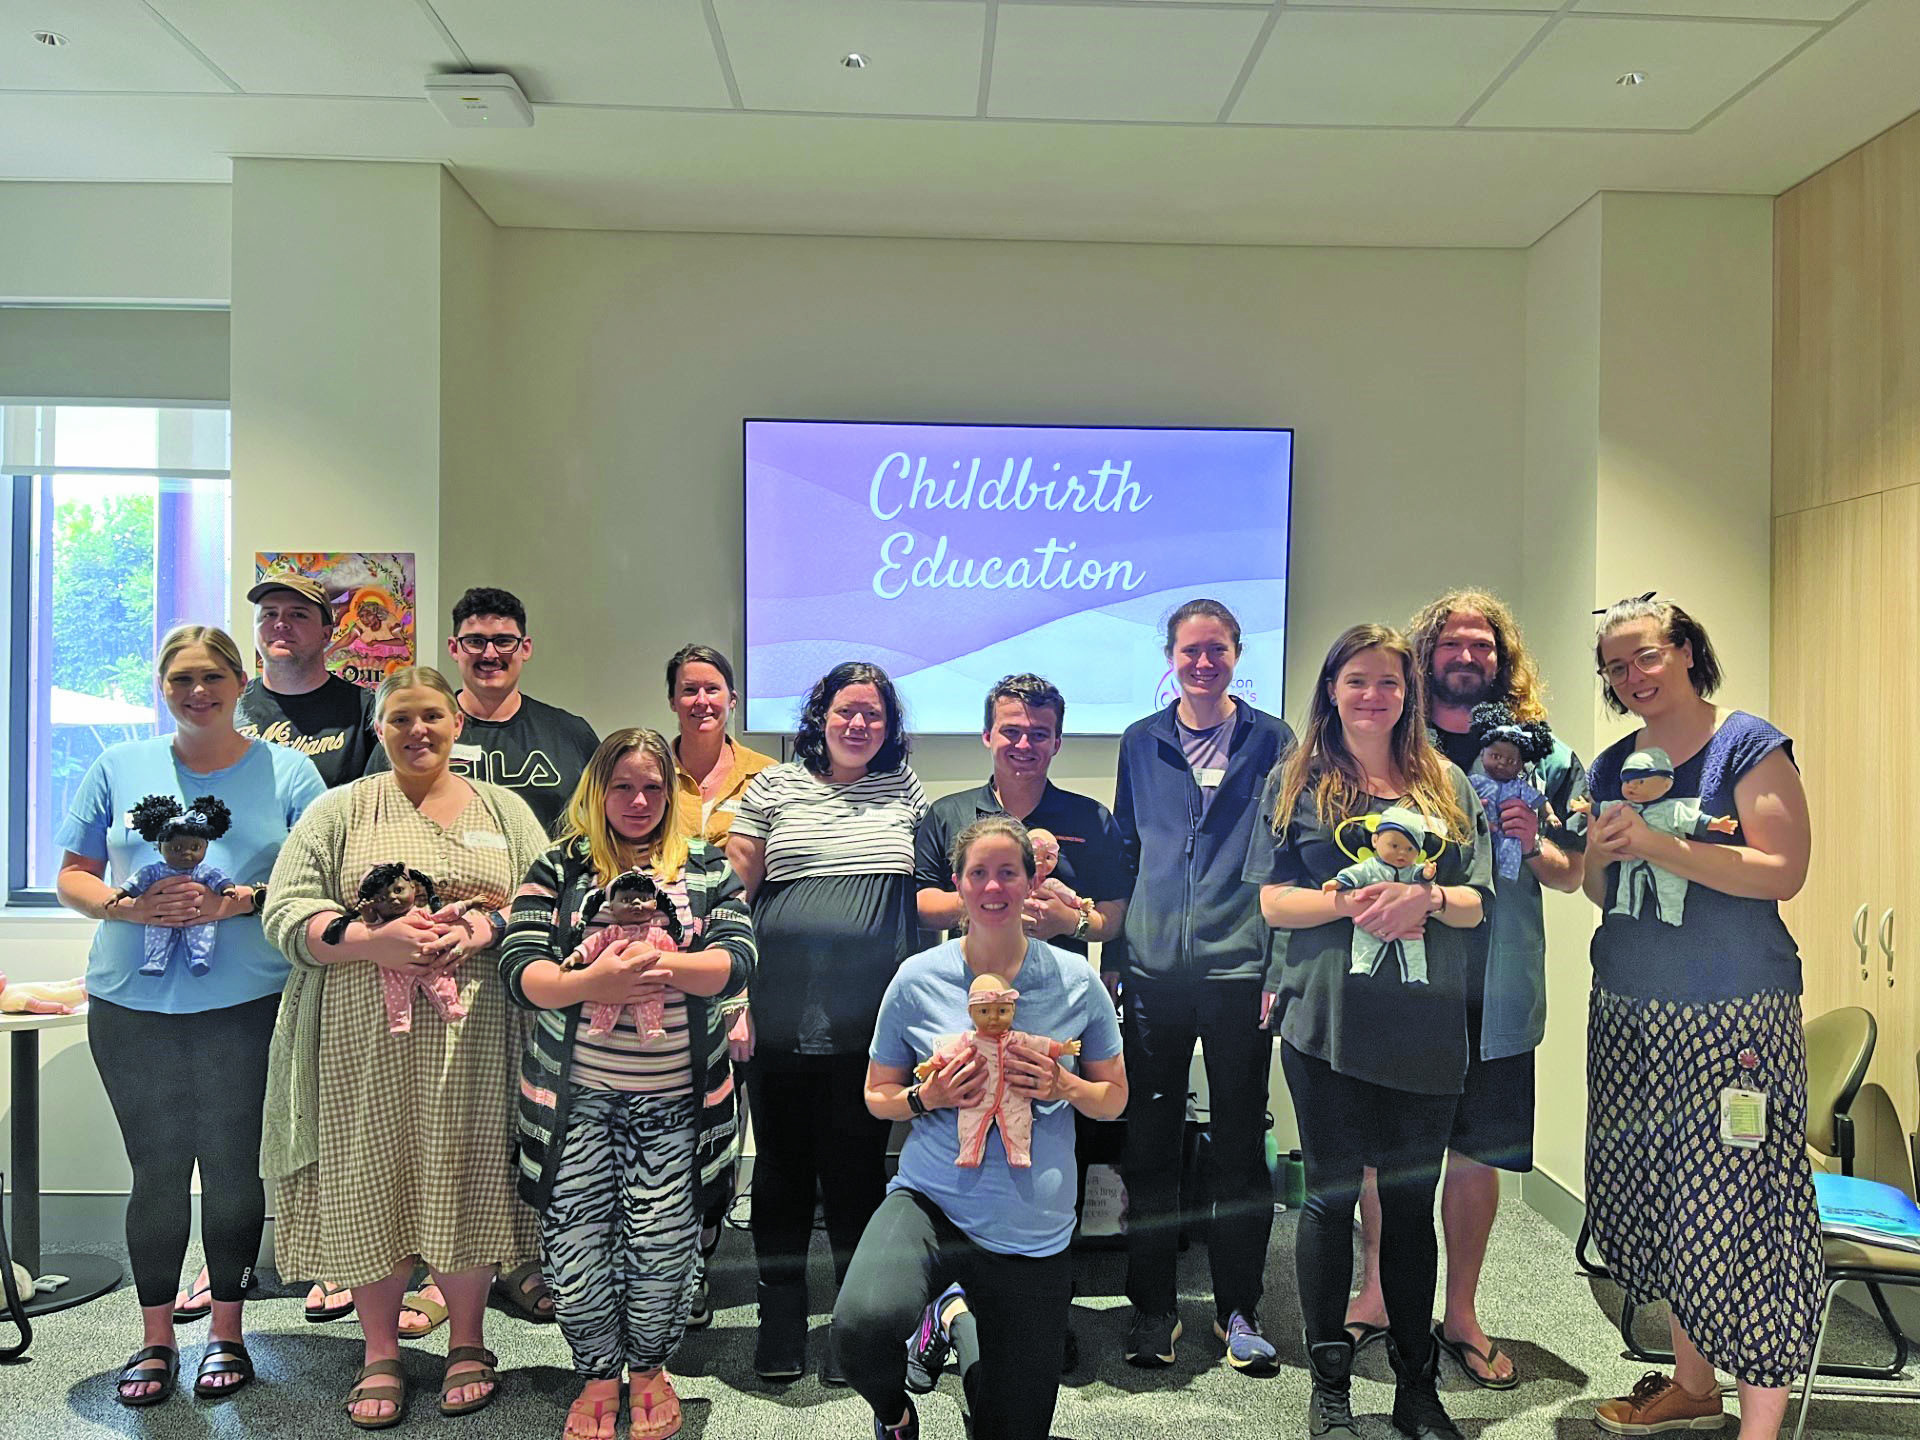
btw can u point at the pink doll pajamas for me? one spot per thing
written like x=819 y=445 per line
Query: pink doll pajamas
x=649 y=1016
x=1013 y=1111
x=443 y=990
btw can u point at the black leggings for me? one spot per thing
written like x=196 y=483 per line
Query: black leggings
x=186 y=1089
x=1009 y=1365
x=1345 y=1126
x=811 y=1126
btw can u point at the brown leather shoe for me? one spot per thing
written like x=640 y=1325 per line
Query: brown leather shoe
x=1656 y=1404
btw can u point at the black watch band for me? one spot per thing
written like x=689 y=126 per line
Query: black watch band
x=259 y=899
x=914 y=1102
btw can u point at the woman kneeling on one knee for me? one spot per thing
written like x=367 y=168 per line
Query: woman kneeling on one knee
x=991 y=1235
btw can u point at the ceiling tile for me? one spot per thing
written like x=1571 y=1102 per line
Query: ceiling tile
x=1538 y=7
x=1370 y=67
x=924 y=58
x=1692 y=67
x=111 y=45
x=1723 y=9
x=339 y=47
x=1105 y=62
x=640 y=52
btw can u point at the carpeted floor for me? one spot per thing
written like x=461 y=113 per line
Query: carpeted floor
x=1567 y=1352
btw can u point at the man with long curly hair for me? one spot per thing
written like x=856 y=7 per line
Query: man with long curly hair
x=1471 y=651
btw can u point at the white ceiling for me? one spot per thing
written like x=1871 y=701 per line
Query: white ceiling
x=1440 y=122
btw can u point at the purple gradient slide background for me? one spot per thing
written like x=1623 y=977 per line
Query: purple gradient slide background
x=1216 y=523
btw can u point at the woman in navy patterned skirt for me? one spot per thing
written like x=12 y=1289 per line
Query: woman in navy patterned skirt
x=1695 y=1006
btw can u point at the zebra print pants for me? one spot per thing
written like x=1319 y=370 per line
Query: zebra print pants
x=620 y=1237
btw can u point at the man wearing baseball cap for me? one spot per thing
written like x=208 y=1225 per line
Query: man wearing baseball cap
x=294 y=700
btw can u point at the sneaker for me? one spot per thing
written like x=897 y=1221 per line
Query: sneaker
x=1247 y=1349
x=1658 y=1403
x=700 y=1313
x=1150 y=1339
x=930 y=1344
x=908 y=1429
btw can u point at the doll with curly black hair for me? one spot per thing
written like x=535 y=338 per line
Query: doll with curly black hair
x=386 y=893
x=1509 y=749
x=182 y=832
x=636 y=909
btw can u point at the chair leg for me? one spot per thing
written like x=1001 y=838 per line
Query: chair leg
x=1813 y=1362
x=1901 y=1346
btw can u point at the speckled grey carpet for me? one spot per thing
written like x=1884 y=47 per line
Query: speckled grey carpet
x=1566 y=1350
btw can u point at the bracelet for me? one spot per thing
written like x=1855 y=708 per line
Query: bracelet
x=1441 y=891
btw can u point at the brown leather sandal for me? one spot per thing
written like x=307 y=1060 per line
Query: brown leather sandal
x=363 y=1390
x=485 y=1375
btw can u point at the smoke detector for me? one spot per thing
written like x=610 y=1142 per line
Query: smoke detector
x=480 y=102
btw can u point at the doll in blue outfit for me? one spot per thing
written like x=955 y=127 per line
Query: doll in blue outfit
x=1508 y=752
x=182 y=834
x=1645 y=778
x=1395 y=852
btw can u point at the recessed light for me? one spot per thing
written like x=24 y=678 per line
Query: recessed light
x=854 y=60
x=1632 y=77
x=50 y=37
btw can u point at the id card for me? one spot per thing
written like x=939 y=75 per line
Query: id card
x=1208 y=777
x=1743 y=1117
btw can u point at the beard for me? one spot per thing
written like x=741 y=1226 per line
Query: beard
x=1465 y=685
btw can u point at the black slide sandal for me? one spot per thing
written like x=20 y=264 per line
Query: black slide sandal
x=1363 y=1333
x=222 y=1357
x=137 y=1372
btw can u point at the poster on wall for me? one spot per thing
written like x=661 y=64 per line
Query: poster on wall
x=372 y=595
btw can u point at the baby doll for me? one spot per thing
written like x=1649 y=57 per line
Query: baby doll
x=183 y=834
x=636 y=910
x=1508 y=750
x=386 y=893
x=990 y=1002
x=1645 y=778
x=1398 y=847
x=48 y=997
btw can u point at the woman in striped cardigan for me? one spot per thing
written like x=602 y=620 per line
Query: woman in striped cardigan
x=624 y=1137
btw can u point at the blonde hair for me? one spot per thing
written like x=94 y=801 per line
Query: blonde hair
x=219 y=645
x=1323 y=763
x=410 y=677
x=1516 y=679
x=586 y=817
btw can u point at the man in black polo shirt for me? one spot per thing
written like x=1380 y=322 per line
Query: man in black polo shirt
x=1024 y=719
x=1024 y=724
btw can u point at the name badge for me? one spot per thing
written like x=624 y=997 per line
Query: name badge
x=1743 y=1117
x=469 y=753
x=484 y=840
x=1208 y=777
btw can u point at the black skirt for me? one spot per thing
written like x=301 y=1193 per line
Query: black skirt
x=828 y=946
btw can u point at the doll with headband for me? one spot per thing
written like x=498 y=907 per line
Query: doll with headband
x=1645 y=778
x=182 y=833
x=636 y=909
x=1509 y=749
x=990 y=1003
x=386 y=893
x=1396 y=852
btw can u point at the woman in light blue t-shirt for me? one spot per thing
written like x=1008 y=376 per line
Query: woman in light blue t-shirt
x=987 y=1239
x=182 y=1054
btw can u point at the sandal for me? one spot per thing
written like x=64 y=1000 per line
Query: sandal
x=525 y=1289
x=422 y=1303
x=222 y=1357
x=1460 y=1350
x=320 y=1314
x=364 y=1389
x=655 y=1414
x=139 y=1371
x=196 y=1301
x=484 y=1374
x=1364 y=1333
x=602 y=1407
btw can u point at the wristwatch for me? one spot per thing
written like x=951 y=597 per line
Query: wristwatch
x=914 y=1102
x=1085 y=927
x=259 y=900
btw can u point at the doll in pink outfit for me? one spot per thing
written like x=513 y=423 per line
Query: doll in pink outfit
x=386 y=893
x=990 y=1001
x=636 y=910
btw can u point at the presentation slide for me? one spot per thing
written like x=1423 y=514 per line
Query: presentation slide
x=951 y=555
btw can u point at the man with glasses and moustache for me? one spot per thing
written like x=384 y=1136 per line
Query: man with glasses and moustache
x=535 y=749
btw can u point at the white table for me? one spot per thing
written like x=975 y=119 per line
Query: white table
x=88 y=1276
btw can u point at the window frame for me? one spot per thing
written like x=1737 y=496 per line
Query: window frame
x=21 y=476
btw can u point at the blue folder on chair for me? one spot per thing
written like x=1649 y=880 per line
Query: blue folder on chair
x=1867 y=1211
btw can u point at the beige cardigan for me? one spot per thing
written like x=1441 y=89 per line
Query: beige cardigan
x=307 y=882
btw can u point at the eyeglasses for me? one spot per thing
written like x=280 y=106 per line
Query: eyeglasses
x=480 y=644
x=1650 y=661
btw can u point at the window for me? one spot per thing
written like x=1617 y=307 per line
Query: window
x=119 y=530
